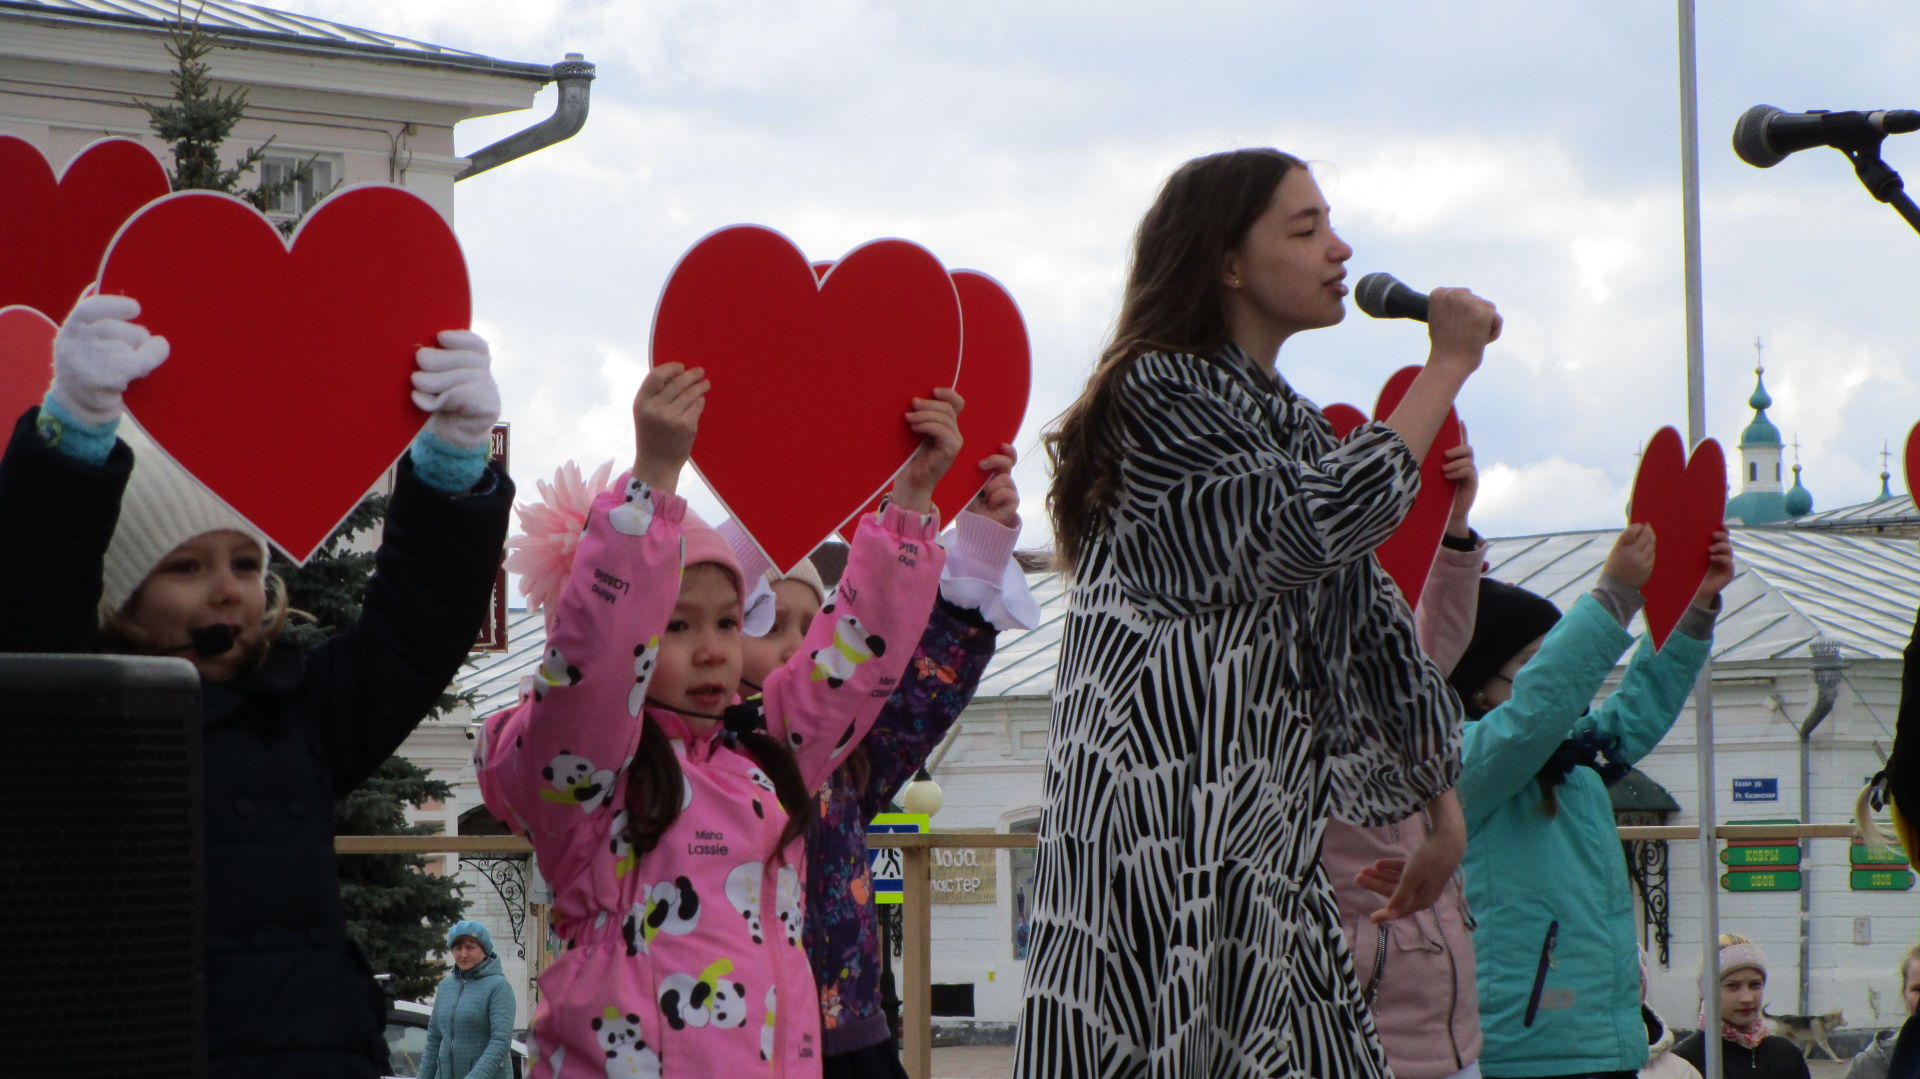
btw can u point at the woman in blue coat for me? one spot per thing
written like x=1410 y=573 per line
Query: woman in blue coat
x=472 y=1025
x=1559 y=974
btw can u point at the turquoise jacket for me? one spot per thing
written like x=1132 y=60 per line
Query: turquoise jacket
x=1525 y=870
x=472 y=1024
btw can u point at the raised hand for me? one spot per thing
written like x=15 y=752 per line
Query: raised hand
x=1465 y=475
x=97 y=354
x=666 y=416
x=455 y=383
x=1460 y=326
x=1720 y=570
x=1631 y=560
x=936 y=421
x=999 y=500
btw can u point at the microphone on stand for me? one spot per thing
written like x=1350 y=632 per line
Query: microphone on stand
x=1764 y=135
x=1383 y=295
x=211 y=640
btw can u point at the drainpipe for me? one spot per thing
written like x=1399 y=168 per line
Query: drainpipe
x=574 y=76
x=1826 y=667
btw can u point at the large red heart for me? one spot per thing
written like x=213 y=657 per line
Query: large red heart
x=53 y=230
x=1684 y=499
x=996 y=375
x=287 y=389
x=810 y=377
x=1913 y=461
x=1407 y=555
x=26 y=359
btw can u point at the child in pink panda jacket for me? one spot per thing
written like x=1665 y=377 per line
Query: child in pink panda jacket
x=668 y=826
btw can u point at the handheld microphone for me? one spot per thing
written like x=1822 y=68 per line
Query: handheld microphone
x=1383 y=295
x=211 y=640
x=1764 y=135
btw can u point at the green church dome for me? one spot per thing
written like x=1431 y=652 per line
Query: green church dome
x=1761 y=432
x=1799 y=500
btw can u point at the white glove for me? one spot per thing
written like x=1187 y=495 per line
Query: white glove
x=97 y=354
x=455 y=384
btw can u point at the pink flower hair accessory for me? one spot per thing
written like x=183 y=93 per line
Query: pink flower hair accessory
x=542 y=553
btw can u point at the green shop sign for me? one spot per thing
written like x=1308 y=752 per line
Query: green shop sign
x=1761 y=855
x=1880 y=880
x=1785 y=880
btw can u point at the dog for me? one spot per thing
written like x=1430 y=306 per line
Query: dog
x=1807 y=1031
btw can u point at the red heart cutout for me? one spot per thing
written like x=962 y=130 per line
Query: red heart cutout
x=996 y=376
x=287 y=388
x=1685 y=500
x=1407 y=555
x=810 y=376
x=26 y=359
x=66 y=223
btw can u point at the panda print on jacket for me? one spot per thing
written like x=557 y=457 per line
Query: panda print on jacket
x=575 y=781
x=627 y=1054
x=694 y=938
x=671 y=906
x=708 y=1000
x=851 y=646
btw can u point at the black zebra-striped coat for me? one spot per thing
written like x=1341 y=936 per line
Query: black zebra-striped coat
x=1234 y=669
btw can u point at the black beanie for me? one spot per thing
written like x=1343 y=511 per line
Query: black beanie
x=1510 y=618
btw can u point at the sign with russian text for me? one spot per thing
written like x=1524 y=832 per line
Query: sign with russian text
x=1757 y=789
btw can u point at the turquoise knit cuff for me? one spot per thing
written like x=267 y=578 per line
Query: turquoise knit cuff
x=61 y=431
x=446 y=467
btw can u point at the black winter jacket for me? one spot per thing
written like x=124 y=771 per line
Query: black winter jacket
x=289 y=996
x=1773 y=1058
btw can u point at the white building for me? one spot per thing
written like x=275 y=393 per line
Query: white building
x=363 y=106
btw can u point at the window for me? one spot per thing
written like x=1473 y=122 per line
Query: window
x=1753 y=472
x=292 y=204
x=1020 y=881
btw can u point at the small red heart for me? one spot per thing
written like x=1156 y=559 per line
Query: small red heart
x=26 y=359
x=66 y=223
x=810 y=376
x=996 y=374
x=287 y=390
x=1684 y=499
x=1407 y=555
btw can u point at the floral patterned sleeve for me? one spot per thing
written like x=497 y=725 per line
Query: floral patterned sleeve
x=938 y=684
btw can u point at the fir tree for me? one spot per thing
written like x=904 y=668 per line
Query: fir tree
x=199 y=117
x=398 y=912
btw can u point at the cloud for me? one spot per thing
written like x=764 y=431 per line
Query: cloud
x=1026 y=140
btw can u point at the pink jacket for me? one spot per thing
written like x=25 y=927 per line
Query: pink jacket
x=687 y=959
x=1425 y=1007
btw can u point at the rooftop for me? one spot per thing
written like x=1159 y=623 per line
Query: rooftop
x=1794 y=585
x=242 y=24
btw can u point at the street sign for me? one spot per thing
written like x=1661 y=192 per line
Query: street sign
x=1783 y=880
x=1757 y=789
x=1880 y=880
x=1745 y=856
x=884 y=863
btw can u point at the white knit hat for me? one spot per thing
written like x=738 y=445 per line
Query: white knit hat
x=164 y=507
x=805 y=573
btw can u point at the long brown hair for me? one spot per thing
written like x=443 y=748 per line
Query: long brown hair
x=655 y=785
x=1174 y=302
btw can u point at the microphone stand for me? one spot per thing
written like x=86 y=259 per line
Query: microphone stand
x=1879 y=178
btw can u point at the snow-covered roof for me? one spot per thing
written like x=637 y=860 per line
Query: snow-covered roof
x=237 y=23
x=1897 y=511
x=1793 y=586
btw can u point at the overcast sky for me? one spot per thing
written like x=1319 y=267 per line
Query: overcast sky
x=1528 y=150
